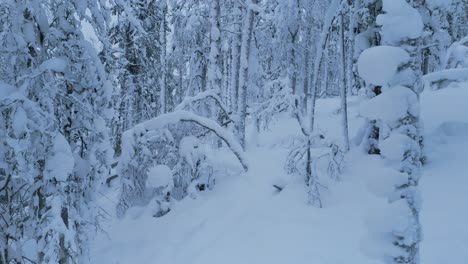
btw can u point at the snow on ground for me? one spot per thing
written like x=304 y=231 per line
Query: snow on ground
x=244 y=220
x=444 y=185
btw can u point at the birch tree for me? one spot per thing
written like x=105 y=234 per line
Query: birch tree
x=247 y=35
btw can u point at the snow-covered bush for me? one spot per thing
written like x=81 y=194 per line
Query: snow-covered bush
x=457 y=55
x=279 y=99
x=193 y=172
x=160 y=182
x=454 y=67
x=312 y=158
x=141 y=150
x=168 y=140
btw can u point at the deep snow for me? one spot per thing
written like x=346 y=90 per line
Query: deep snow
x=444 y=185
x=245 y=220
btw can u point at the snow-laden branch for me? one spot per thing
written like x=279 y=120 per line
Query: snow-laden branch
x=454 y=75
x=450 y=51
x=200 y=97
x=281 y=99
x=162 y=121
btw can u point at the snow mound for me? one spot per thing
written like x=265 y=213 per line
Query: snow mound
x=400 y=21
x=160 y=176
x=391 y=106
x=378 y=65
x=384 y=223
x=452 y=129
x=384 y=182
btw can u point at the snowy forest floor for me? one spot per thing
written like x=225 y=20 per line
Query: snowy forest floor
x=244 y=220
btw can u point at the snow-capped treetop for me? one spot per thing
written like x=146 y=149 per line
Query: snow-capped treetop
x=378 y=65
x=400 y=21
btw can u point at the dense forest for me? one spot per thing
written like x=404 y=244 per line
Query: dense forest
x=113 y=110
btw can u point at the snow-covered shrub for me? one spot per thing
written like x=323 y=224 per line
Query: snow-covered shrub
x=454 y=67
x=141 y=150
x=312 y=158
x=279 y=99
x=160 y=182
x=193 y=171
x=457 y=55
x=169 y=140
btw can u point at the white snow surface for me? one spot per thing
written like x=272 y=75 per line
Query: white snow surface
x=245 y=220
x=444 y=185
x=378 y=65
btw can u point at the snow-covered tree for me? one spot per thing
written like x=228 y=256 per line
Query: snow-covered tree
x=395 y=66
x=56 y=141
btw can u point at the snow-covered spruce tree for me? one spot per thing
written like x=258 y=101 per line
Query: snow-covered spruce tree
x=367 y=36
x=53 y=154
x=81 y=108
x=26 y=139
x=395 y=67
x=29 y=175
x=37 y=161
